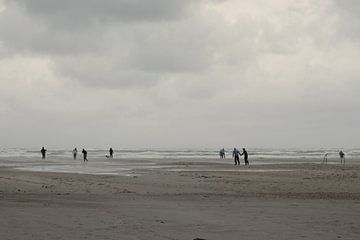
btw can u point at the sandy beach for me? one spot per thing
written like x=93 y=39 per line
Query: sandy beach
x=136 y=120
x=189 y=199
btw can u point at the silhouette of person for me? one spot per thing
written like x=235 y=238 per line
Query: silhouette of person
x=325 y=158
x=111 y=151
x=84 y=152
x=222 y=153
x=74 y=152
x=245 y=157
x=235 y=155
x=43 y=152
x=342 y=156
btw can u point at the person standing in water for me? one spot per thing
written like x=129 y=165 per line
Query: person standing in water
x=43 y=152
x=325 y=158
x=111 y=151
x=74 y=152
x=222 y=153
x=84 y=152
x=342 y=156
x=235 y=155
x=245 y=157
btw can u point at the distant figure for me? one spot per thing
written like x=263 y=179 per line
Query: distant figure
x=74 y=152
x=111 y=151
x=222 y=153
x=325 y=158
x=84 y=152
x=245 y=157
x=235 y=155
x=43 y=152
x=342 y=156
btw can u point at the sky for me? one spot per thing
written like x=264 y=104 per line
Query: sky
x=179 y=73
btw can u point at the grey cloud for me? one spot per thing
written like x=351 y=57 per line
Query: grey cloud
x=350 y=6
x=175 y=57
x=136 y=52
x=140 y=56
x=73 y=26
x=100 y=76
x=173 y=47
x=21 y=32
x=69 y=13
x=283 y=68
x=349 y=20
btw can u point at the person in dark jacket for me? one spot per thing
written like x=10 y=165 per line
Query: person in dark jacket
x=111 y=151
x=235 y=155
x=43 y=152
x=342 y=157
x=246 y=157
x=222 y=153
x=84 y=152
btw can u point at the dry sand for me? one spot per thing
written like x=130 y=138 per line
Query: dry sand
x=192 y=200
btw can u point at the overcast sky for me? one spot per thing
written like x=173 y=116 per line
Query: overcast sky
x=179 y=73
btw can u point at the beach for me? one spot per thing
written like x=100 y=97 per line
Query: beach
x=184 y=199
x=137 y=120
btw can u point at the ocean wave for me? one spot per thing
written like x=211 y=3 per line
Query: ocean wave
x=184 y=153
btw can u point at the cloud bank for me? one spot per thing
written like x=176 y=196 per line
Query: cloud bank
x=199 y=73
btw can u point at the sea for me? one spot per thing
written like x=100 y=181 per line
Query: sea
x=130 y=162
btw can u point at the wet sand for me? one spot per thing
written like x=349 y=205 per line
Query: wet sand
x=185 y=200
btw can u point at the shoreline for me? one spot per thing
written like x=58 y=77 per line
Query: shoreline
x=127 y=167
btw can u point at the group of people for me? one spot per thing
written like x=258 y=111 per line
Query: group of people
x=341 y=154
x=236 y=155
x=84 y=152
x=75 y=152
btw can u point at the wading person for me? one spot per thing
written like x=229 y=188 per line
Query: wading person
x=325 y=158
x=246 y=157
x=84 y=152
x=43 y=152
x=235 y=155
x=74 y=152
x=342 y=157
x=111 y=152
x=222 y=153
